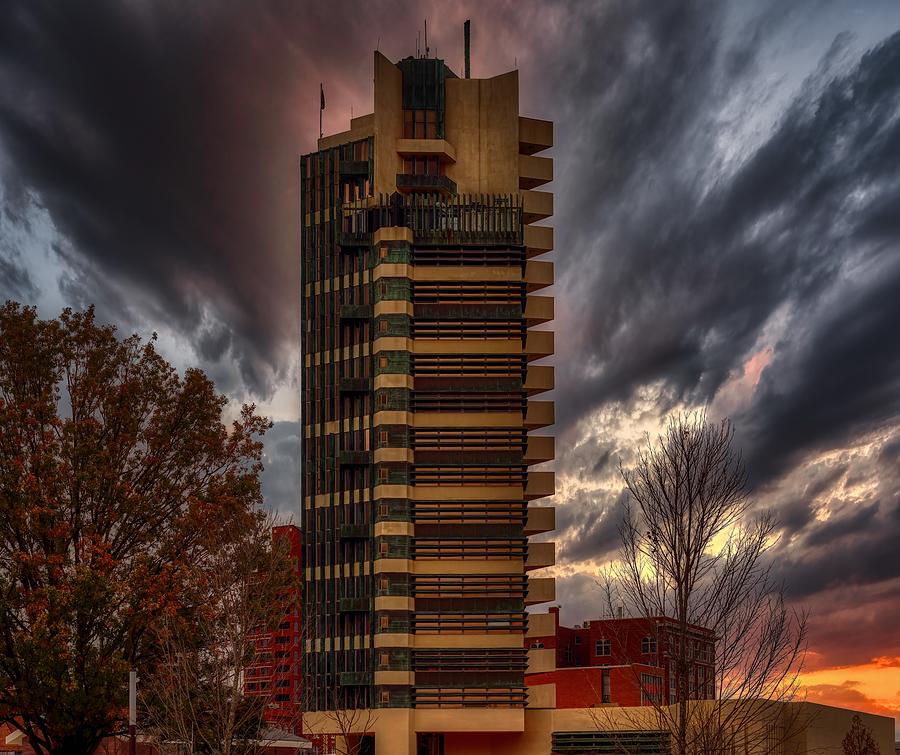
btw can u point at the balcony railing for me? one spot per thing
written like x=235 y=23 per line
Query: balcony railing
x=465 y=219
x=355 y=678
x=356 y=312
x=355 y=531
x=353 y=240
x=353 y=458
x=355 y=605
x=354 y=168
x=355 y=385
x=407 y=182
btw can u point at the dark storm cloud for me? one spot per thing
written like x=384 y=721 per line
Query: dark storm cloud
x=162 y=139
x=587 y=526
x=664 y=299
x=15 y=282
x=851 y=533
x=847 y=624
x=683 y=261
x=857 y=548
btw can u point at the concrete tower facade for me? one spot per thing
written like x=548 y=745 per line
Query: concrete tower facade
x=425 y=347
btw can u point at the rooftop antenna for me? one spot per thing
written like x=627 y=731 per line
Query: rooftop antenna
x=466 y=33
x=418 y=34
x=426 y=37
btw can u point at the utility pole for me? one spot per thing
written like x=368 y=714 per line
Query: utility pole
x=132 y=712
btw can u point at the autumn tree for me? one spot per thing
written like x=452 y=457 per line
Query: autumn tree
x=859 y=740
x=694 y=554
x=116 y=475
x=194 y=695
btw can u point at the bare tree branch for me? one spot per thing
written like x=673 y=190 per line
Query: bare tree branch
x=694 y=553
x=195 y=699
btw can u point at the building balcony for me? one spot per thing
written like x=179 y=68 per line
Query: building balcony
x=354 y=458
x=433 y=219
x=467 y=311
x=409 y=184
x=356 y=312
x=538 y=240
x=540 y=448
x=538 y=275
x=539 y=414
x=355 y=531
x=540 y=590
x=540 y=519
x=355 y=605
x=538 y=309
x=540 y=555
x=469 y=458
x=355 y=678
x=353 y=240
x=355 y=385
x=440 y=148
x=536 y=205
x=534 y=171
x=535 y=135
x=538 y=378
x=540 y=485
x=538 y=344
x=354 y=168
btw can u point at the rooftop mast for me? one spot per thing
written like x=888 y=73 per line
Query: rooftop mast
x=466 y=33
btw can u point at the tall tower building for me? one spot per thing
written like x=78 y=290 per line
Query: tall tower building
x=424 y=359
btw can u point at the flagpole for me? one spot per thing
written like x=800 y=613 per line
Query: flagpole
x=321 y=107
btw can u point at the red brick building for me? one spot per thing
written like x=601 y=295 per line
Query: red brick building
x=623 y=661
x=277 y=672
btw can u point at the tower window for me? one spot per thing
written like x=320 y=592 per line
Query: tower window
x=420 y=124
x=423 y=166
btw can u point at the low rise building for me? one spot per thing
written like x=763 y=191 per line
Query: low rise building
x=276 y=672
x=619 y=661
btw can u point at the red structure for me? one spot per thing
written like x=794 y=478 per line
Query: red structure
x=625 y=661
x=279 y=653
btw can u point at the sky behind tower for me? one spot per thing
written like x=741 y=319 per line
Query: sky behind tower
x=728 y=237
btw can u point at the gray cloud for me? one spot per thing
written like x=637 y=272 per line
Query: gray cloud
x=587 y=527
x=281 y=475
x=683 y=259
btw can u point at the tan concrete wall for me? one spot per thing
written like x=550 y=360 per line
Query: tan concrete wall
x=482 y=123
x=482 y=731
x=388 y=125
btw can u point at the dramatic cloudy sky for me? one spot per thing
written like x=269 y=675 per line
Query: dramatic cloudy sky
x=728 y=236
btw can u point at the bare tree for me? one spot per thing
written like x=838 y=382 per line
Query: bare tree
x=693 y=556
x=859 y=740
x=194 y=700
x=349 y=718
